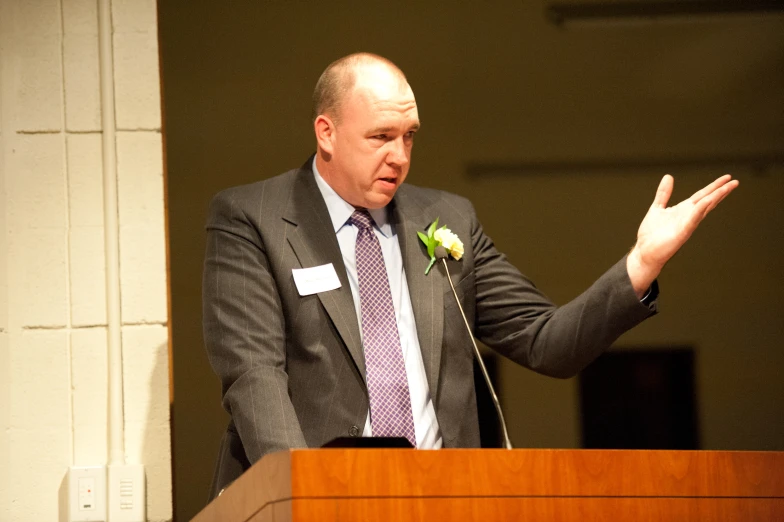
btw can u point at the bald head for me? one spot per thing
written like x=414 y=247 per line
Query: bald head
x=365 y=118
x=341 y=76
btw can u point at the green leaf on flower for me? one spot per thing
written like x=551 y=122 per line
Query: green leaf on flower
x=430 y=242
x=433 y=243
x=432 y=229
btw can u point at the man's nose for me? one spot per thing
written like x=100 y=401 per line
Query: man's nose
x=398 y=153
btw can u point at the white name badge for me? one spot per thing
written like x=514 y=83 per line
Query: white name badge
x=314 y=280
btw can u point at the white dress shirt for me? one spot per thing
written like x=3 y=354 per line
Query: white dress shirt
x=428 y=434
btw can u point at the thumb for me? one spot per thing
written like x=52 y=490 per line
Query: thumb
x=664 y=192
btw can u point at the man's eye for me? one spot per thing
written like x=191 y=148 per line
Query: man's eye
x=380 y=137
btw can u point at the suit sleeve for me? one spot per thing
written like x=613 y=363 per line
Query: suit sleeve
x=516 y=319
x=244 y=332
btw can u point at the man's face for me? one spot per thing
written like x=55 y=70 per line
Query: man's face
x=371 y=146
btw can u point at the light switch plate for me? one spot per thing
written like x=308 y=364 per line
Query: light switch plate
x=87 y=494
x=127 y=493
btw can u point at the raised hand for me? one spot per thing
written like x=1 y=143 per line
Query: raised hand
x=664 y=229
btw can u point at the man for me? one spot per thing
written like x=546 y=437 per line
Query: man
x=370 y=344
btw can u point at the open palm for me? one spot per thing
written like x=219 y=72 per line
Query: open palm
x=665 y=229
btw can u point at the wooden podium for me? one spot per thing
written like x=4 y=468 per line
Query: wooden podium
x=350 y=485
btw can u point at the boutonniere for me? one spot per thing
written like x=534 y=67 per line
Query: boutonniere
x=440 y=236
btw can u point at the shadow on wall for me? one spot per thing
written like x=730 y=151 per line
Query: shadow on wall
x=156 y=442
x=62 y=499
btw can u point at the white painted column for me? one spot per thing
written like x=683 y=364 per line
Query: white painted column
x=5 y=360
x=53 y=340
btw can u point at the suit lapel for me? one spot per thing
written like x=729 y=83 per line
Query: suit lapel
x=314 y=242
x=426 y=291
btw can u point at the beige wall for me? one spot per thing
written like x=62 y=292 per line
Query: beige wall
x=5 y=356
x=53 y=342
x=497 y=85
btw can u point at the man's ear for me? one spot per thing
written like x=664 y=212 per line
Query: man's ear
x=325 y=133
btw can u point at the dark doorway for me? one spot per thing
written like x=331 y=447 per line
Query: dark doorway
x=640 y=399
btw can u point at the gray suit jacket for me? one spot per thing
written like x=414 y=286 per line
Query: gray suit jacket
x=292 y=368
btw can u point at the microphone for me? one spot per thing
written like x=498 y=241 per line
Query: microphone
x=441 y=255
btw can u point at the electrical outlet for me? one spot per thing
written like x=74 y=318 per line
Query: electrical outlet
x=127 y=495
x=87 y=494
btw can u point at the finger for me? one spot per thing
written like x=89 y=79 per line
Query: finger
x=708 y=203
x=664 y=192
x=722 y=193
x=697 y=196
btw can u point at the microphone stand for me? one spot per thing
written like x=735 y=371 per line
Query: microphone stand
x=441 y=255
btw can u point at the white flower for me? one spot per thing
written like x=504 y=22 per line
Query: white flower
x=450 y=241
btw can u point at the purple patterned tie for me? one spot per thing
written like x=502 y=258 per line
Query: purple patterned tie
x=390 y=401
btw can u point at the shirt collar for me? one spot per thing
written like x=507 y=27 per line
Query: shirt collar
x=340 y=210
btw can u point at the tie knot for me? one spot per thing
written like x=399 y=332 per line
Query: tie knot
x=361 y=219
